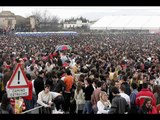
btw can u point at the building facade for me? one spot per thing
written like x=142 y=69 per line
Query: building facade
x=75 y=23
x=8 y=20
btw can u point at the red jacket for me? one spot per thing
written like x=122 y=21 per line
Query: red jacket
x=29 y=97
x=154 y=111
x=144 y=93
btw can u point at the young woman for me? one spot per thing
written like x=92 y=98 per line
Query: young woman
x=103 y=104
x=80 y=100
x=147 y=107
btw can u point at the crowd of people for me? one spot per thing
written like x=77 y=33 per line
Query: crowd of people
x=101 y=74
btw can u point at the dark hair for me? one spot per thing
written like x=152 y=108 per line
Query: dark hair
x=113 y=70
x=41 y=72
x=28 y=76
x=96 y=75
x=145 y=101
x=68 y=72
x=47 y=86
x=99 y=83
x=134 y=85
x=124 y=78
x=157 y=89
x=48 y=75
x=115 y=90
x=31 y=68
x=145 y=85
x=152 y=77
x=122 y=87
x=79 y=87
x=89 y=81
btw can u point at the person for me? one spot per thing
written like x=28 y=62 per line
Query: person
x=144 y=93
x=117 y=84
x=133 y=98
x=124 y=95
x=67 y=92
x=112 y=74
x=147 y=107
x=6 y=107
x=111 y=85
x=126 y=84
x=95 y=96
x=103 y=104
x=39 y=83
x=58 y=100
x=49 y=66
x=60 y=85
x=80 y=99
x=45 y=100
x=157 y=95
x=88 y=92
x=7 y=76
x=28 y=100
x=119 y=104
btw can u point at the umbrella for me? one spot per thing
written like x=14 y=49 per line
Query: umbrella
x=63 y=47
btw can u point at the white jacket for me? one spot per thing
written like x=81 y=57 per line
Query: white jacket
x=80 y=99
x=44 y=99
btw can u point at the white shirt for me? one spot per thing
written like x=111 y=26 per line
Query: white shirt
x=101 y=107
x=33 y=89
x=44 y=98
x=49 y=68
x=63 y=78
x=157 y=81
x=54 y=94
x=126 y=97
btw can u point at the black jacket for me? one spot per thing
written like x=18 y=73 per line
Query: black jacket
x=88 y=92
x=127 y=88
x=119 y=105
x=59 y=87
x=38 y=85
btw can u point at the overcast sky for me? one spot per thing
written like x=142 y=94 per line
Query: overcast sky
x=92 y=13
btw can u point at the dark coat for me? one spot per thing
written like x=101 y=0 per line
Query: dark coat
x=60 y=86
x=119 y=105
x=127 y=88
x=6 y=78
x=38 y=85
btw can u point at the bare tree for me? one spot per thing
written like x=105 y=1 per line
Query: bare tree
x=46 y=22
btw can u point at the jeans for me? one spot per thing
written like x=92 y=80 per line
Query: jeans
x=87 y=107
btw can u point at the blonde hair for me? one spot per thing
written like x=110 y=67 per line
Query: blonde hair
x=100 y=96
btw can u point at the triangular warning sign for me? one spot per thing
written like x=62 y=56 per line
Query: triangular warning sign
x=18 y=79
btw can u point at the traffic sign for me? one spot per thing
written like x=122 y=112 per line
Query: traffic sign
x=18 y=83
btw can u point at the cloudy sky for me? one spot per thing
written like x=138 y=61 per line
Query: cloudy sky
x=92 y=13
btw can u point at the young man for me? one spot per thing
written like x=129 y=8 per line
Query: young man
x=133 y=98
x=124 y=95
x=67 y=92
x=119 y=104
x=45 y=99
x=39 y=83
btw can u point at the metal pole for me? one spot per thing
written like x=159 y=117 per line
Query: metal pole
x=32 y=109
